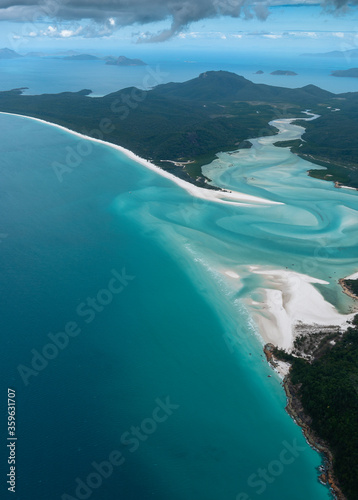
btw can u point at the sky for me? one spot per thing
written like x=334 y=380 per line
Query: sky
x=139 y=26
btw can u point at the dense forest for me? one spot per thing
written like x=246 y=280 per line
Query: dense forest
x=328 y=390
x=194 y=120
x=330 y=140
x=352 y=285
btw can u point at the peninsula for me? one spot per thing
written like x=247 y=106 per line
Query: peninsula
x=187 y=124
x=322 y=394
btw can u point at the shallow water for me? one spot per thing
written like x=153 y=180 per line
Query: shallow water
x=179 y=328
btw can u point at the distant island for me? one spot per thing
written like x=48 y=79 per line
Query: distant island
x=48 y=55
x=72 y=55
x=259 y=72
x=281 y=72
x=125 y=61
x=194 y=120
x=334 y=53
x=353 y=72
x=9 y=54
x=81 y=57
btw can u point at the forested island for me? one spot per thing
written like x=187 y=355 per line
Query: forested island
x=347 y=54
x=282 y=72
x=124 y=61
x=194 y=120
x=322 y=391
x=6 y=53
x=352 y=72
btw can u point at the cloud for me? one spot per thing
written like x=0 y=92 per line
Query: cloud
x=75 y=30
x=273 y=36
x=109 y=15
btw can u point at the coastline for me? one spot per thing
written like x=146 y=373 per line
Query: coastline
x=227 y=197
x=296 y=411
x=346 y=289
x=289 y=301
x=292 y=300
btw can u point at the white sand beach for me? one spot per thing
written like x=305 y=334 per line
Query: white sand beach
x=289 y=299
x=353 y=276
x=228 y=197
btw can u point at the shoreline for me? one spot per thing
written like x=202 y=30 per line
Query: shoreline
x=293 y=300
x=226 y=197
x=289 y=301
x=346 y=288
x=296 y=411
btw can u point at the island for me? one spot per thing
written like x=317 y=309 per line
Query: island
x=125 y=61
x=335 y=53
x=9 y=54
x=353 y=72
x=81 y=57
x=182 y=126
x=259 y=72
x=281 y=72
x=72 y=55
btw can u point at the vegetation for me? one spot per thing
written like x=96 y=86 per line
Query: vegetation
x=157 y=125
x=283 y=72
x=352 y=286
x=194 y=120
x=353 y=72
x=328 y=390
x=330 y=140
x=314 y=345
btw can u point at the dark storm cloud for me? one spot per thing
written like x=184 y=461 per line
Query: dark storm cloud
x=179 y=13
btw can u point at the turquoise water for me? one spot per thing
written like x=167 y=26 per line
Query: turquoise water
x=174 y=326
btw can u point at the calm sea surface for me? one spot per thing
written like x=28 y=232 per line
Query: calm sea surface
x=55 y=75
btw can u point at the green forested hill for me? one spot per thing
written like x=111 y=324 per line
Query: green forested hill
x=215 y=112
x=328 y=389
x=222 y=86
x=331 y=140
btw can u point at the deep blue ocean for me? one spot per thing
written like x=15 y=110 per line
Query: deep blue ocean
x=138 y=369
